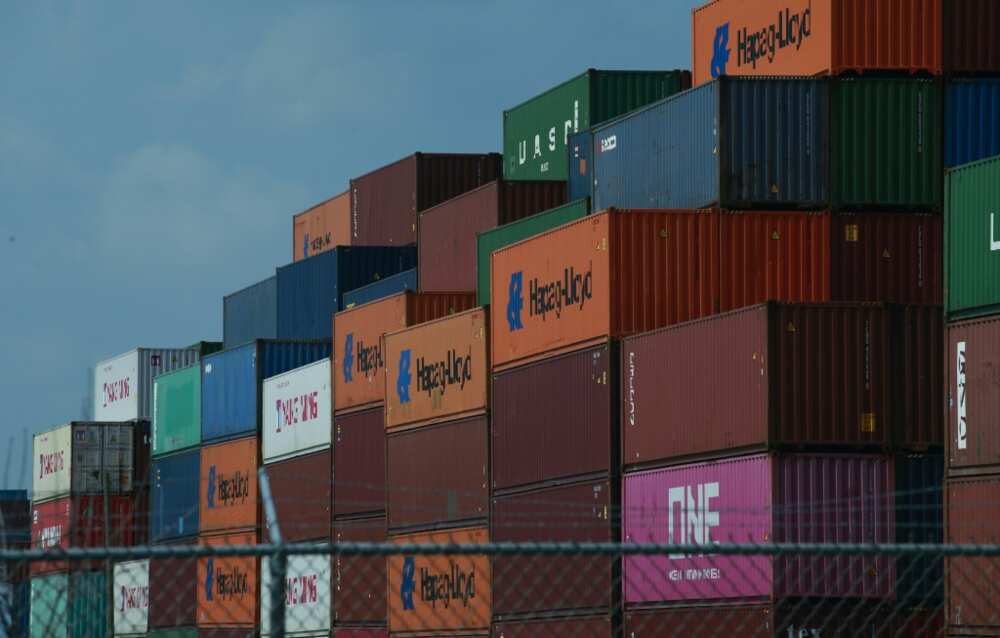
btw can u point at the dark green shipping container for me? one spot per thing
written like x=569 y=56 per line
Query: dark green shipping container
x=535 y=132
x=972 y=239
x=69 y=606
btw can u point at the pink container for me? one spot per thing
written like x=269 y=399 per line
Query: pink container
x=792 y=498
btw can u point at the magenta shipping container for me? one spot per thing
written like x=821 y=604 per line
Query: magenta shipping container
x=793 y=498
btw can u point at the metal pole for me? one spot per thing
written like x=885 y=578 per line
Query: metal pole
x=278 y=560
x=109 y=571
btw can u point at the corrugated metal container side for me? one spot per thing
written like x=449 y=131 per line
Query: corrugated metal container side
x=228 y=594
x=972 y=36
x=227 y=632
x=175 y=483
x=581 y=165
x=359 y=463
x=311 y=291
x=231 y=383
x=173 y=590
x=919 y=378
x=359 y=582
x=228 y=487
x=360 y=632
x=570 y=627
x=920 y=519
x=555 y=419
x=446 y=233
x=300 y=487
x=78 y=521
x=841 y=619
x=973 y=517
x=972 y=120
x=886 y=143
x=50 y=593
x=384 y=287
x=579 y=513
x=438 y=475
x=385 y=202
x=490 y=240
x=794 y=498
x=123 y=385
x=297 y=411
x=174 y=632
x=177 y=410
x=972 y=264
x=322 y=227
x=88 y=605
x=131 y=598
x=535 y=132
x=251 y=313
x=973 y=358
x=87 y=458
x=307 y=596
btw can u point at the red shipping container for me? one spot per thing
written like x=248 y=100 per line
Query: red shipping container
x=972 y=517
x=973 y=369
x=571 y=627
x=972 y=36
x=78 y=521
x=360 y=582
x=385 y=202
x=360 y=632
x=173 y=589
x=300 y=487
x=359 y=463
x=446 y=233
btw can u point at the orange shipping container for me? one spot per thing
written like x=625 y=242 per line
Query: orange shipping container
x=228 y=494
x=323 y=227
x=437 y=370
x=815 y=37
x=358 y=358
x=227 y=586
x=436 y=593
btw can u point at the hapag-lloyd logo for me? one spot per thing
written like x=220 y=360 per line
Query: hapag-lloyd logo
x=369 y=359
x=453 y=584
x=544 y=298
x=227 y=488
x=404 y=377
x=51 y=463
x=299 y=409
x=301 y=590
x=454 y=369
x=347 y=364
x=225 y=584
x=117 y=391
x=134 y=597
x=753 y=45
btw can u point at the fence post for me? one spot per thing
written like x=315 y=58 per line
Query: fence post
x=109 y=570
x=278 y=562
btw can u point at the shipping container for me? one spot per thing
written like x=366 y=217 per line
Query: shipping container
x=131 y=598
x=177 y=410
x=570 y=627
x=88 y=605
x=359 y=463
x=123 y=385
x=232 y=380
x=972 y=517
x=50 y=606
x=815 y=37
x=175 y=488
x=386 y=201
x=307 y=596
x=535 y=131
x=438 y=475
x=920 y=519
x=425 y=603
x=580 y=147
x=322 y=227
x=227 y=585
x=437 y=370
x=78 y=521
x=174 y=632
x=250 y=313
x=360 y=632
x=384 y=287
x=20 y=610
x=920 y=622
x=227 y=632
x=497 y=238
x=973 y=440
x=359 y=582
x=300 y=487
x=297 y=411
x=972 y=260
x=357 y=349
x=972 y=120
x=555 y=419
x=446 y=233
x=228 y=488
x=971 y=36
x=793 y=498
x=579 y=513
x=173 y=589
x=311 y=291
x=920 y=386
x=86 y=458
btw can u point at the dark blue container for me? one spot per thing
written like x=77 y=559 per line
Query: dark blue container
x=231 y=383
x=385 y=287
x=20 y=610
x=920 y=519
x=581 y=150
x=251 y=313
x=972 y=121
x=175 y=496
x=310 y=291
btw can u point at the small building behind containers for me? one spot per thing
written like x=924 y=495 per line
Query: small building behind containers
x=250 y=313
x=322 y=227
x=384 y=287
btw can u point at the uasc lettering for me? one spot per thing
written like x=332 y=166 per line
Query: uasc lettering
x=301 y=590
x=117 y=391
x=573 y=290
x=134 y=597
x=51 y=463
x=454 y=584
x=789 y=29
x=454 y=369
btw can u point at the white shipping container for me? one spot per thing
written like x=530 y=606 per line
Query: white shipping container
x=307 y=596
x=297 y=411
x=131 y=598
x=123 y=385
x=77 y=458
x=52 y=461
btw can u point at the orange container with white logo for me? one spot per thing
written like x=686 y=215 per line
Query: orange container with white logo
x=440 y=593
x=227 y=586
x=322 y=227
x=228 y=492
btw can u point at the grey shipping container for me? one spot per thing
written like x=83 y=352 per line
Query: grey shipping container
x=384 y=287
x=251 y=313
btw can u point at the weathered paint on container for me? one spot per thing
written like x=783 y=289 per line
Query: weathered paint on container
x=385 y=202
x=446 y=233
x=311 y=291
x=494 y=239
x=554 y=419
x=972 y=241
x=972 y=517
x=322 y=227
x=437 y=370
x=814 y=37
x=535 y=132
x=972 y=36
x=307 y=596
x=438 y=475
x=228 y=500
x=173 y=590
x=359 y=463
x=131 y=598
x=414 y=608
x=359 y=376
x=123 y=385
x=760 y=499
x=231 y=383
x=972 y=120
x=50 y=600
x=920 y=519
x=300 y=487
x=360 y=632
x=250 y=313
x=973 y=359
x=578 y=513
x=78 y=521
x=227 y=585
x=177 y=410
x=297 y=411
x=175 y=483
x=85 y=458
x=571 y=627
x=359 y=582
x=384 y=287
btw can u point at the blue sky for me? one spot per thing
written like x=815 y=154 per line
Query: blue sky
x=152 y=154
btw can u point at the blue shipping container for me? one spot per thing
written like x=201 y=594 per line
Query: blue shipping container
x=920 y=519
x=20 y=610
x=735 y=143
x=972 y=121
x=231 y=383
x=251 y=313
x=581 y=150
x=385 y=287
x=310 y=291
x=175 y=496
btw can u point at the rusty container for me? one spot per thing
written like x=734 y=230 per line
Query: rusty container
x=972 y=36
x=359 y=361
x=437 y=370
x=359 y=463
x=322 y=227
x=301 y=491
x=972 y=517
x=228 y=495
x=446 y=233
x=359 y=582
x=569 y=627
x=227 y=586
x=973 y=369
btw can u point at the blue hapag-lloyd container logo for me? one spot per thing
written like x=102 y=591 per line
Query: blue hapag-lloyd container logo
x=210 y=493
x=305 y=245
x=209 y=575
x=515 y=300
x=348 y=362
x=789 y=29
x=547 y=298
x=404 y=377
x=720 y=51
x=409 y=584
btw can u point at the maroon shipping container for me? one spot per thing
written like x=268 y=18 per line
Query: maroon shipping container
x=223 y=632
x=973 y=355
x=385 y=202
x=572 y=627
x=300 y=488
x=438 y=475
x=972 y=517
x=918 y=378
x=446 y=233
x=173 y=589
x=780 y=620
x=78 y=521
x=581 y=512
x=972 y=36
x=360 y=632
x=359 y=582
x=359 y=463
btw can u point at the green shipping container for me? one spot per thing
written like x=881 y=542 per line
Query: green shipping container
x=972 y=239
x=175 y=632
x=177 y=410
x=496 y=238
x=887 y=143
x=535 y=132
x=88 y=605
x=49 y=617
